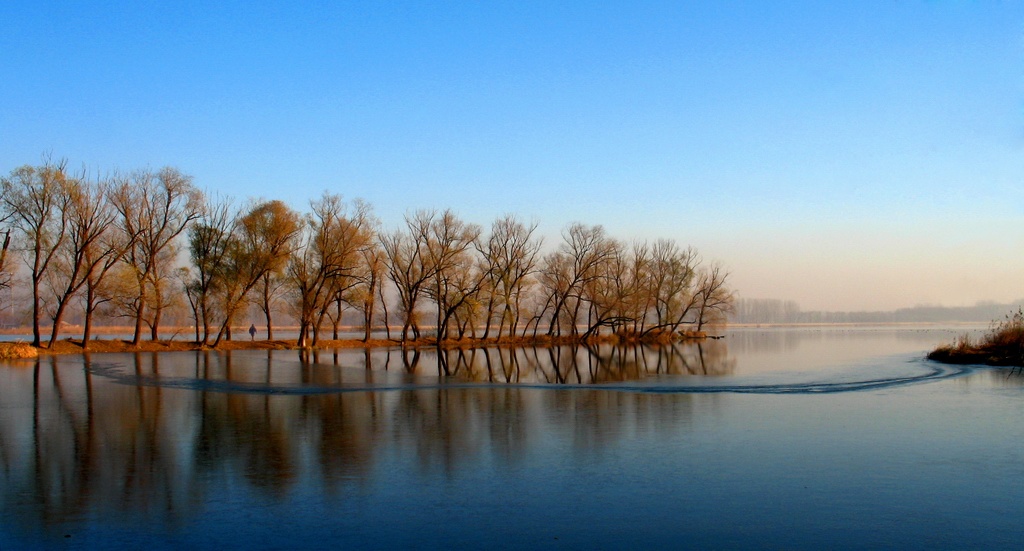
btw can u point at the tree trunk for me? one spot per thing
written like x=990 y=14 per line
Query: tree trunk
x=36 y=337
x=154 y=330
x=206 y=321
x=89 y=309
x=337 y=318
x=576 y=317
x=57 y=319
x=487 y=319
x=368 y=308
x=137 y=336
x=266 y=307
x=158 y=311
x=195 y=320
x=140 y=311
x=384 y=306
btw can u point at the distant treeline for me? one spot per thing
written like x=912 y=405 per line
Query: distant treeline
x=751 y=310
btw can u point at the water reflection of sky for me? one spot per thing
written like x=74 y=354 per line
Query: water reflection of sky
x=86 y=454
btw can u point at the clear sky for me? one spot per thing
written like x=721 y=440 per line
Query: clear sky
x=850 y=157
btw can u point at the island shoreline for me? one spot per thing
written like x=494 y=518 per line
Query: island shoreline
x=22 y=350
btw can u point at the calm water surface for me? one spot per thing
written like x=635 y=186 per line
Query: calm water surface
x=769 y=438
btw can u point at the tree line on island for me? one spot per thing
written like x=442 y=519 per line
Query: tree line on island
x=110 y=247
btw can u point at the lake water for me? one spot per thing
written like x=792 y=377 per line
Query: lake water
x=769 y=438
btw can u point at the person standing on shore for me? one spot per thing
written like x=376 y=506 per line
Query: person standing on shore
x=252 y=332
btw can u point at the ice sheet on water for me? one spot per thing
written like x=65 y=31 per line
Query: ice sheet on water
x=878 y=373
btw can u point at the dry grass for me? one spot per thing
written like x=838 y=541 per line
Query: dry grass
x=1009 y=332
x=1002 y=345
x=17 y=351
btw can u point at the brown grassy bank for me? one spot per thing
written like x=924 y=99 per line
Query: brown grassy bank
x=75 y=346
x=1002 y=346
x=17 y=351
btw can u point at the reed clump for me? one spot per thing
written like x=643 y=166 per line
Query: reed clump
x=1002 y=345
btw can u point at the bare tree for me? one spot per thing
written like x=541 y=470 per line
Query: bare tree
x=209 y=242
x=156 y=208
x=37 y=198
x=408 y=266
x=327 y=258
x=714 y=299
x=670 y=285
x=432 y=258
x=454 y=278
x=90 y=218
x=262 y=239
x=616 y=295
x=160 y=297
x=556 y=281
x=511 y=256
x=268 y=231
x=101 y=256
x=189 y=284
x=269 y=291
x=573 y=266
x=363 y=295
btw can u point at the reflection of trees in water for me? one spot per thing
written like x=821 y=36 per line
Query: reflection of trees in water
x=263 y=435
x=58 y=426
x=594 y=421
x=505 y=416
x=443 y=428
x=88 y=450
x=129 y=451
x=346 y=426
x=574 y=364
x=577 y=364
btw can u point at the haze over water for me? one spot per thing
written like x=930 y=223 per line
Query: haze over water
x=793 y=438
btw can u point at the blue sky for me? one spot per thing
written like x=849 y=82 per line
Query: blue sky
x=857 y=156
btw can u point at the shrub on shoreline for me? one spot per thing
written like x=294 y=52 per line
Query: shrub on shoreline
x=1009 y=332
x=17 y=351
x=1002 y=345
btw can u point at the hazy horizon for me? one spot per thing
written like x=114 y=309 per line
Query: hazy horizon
x=850 y=158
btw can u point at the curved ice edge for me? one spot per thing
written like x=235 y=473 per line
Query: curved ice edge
x=934 y=371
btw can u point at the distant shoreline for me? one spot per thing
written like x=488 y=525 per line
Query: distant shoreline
x=864 y=324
